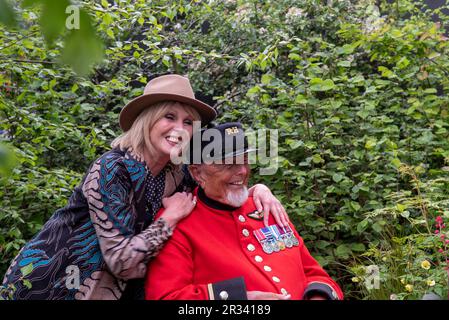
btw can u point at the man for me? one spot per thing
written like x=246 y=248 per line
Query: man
x=222 y=250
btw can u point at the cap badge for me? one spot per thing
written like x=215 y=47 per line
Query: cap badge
x=232 y=130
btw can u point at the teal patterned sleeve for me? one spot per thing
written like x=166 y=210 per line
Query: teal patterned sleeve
x=109 y=193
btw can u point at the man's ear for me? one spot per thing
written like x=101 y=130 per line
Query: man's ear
x=195 y=173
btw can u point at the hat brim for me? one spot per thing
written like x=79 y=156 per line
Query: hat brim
x=132 y=110
x=231 y=155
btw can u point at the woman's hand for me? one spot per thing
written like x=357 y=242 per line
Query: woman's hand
x=177 y=207
x=261 y=295
x=265 y=201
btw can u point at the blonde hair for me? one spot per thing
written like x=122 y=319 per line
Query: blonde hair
x=137 y=137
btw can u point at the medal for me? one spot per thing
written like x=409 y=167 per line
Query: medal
x=256 y=215
x=287 y=237
x=267 y=248
x=274 y=238
x=261 y=237
x=281 y=245
x=271 y=238
x=294 y=240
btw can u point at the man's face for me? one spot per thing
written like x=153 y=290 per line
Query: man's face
x=225 y=183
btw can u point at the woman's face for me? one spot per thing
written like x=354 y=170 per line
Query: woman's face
x=172 y=131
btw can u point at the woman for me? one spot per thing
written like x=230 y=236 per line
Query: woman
x=105 y=236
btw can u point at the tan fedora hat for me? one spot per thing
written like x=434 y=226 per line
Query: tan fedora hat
x=170 y=87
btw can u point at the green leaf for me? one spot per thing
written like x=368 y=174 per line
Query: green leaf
x=74 y=87
x=53 y=18
x=337 y=177
x=370 y=144
x=253 y=91
x=301 y=99
x=294 y=56
x=403 y=63
x=346 y=49
x=317 y=158
x=362 y=225
x=405 y=214
x=82 y=47
x=377 y=227
x=317 y=84
x=343 y=251
x=387 y=73
x=7 y=14
x=396 y=162
x=267 y=78
x=358 y=247
x=345 y=64
x=295 y=144
x=355 y=206
x=107 y=19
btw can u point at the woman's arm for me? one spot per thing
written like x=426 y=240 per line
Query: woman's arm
x=108 y=189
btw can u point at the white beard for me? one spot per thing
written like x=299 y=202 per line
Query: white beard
x=237 y=198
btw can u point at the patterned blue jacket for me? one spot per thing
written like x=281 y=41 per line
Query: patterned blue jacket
x=104 y=237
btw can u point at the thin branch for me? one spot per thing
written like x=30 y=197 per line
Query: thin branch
x=228 y=98
x=29 y=61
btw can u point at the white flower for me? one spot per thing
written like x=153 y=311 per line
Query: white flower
x=242 y=13
x=294 y=13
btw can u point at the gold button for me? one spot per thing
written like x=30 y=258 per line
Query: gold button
x=276 y=279
x=267 y=268
x=224 y=295
x=245 y=232
x=251 y=247
x=258 y=258
x=242 y=218
x=283 y=291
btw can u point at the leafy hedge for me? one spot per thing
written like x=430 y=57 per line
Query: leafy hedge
x=357 y=90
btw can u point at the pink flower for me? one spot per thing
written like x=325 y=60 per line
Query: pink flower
x=439 y=219
x=440 y=250
x=442 y=236
x=437 y=231
x=447 y=241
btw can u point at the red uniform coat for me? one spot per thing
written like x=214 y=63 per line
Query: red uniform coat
x=210 y=246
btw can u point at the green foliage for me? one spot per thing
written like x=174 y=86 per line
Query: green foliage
x=356 y=92
x=82 y=47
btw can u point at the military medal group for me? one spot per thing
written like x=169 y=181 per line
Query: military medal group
x=273 y=238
